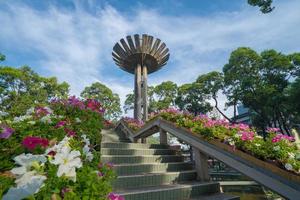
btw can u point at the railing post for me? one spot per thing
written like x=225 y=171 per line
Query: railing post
x=201 y=165
x=163 y=137
x=144 y=140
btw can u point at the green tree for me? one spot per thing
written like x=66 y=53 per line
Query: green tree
x=259 y=82
x=264 y=5
x=2 y=57
x=212 y=83
x=165 y=94
x=20 y=88
x=109 y=100
x=129 y=101
x=192 y=97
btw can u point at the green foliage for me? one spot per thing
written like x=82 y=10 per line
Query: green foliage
x=264 y=5
x=5 y=183
x=193 y=98
x=20 y=88
x=165 y=94
x=109 y=100
x=2 y=57
x=259 y=83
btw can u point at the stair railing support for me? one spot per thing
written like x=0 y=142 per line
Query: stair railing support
x=201 y=165
x=163 y=137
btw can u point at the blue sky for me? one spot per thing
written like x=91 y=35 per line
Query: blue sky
x=73 y=39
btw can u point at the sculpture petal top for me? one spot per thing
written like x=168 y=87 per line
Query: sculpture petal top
x=144 y=50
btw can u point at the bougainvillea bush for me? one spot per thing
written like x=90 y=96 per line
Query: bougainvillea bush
x=276 y=147
x=48 y=153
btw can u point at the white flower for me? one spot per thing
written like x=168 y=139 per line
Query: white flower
x=21 y=118
x=86 y=149
x=30 y=111
x=258 y=136
x=46 y=119
x=48 y=110
x=28 y=181
x=31 y=122
x=258 y=145
x=291 y=155
x=3 y=114
x=288 y=166
x=58 y=147
x=68 y=161
x=276 y=148
x=34 y=183
x=77 y=120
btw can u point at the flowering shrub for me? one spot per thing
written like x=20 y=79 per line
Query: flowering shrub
x=48 y=153
x=133 y=124
x=277 y=147
x=108 y=124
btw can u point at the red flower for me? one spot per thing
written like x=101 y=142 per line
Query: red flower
x=31 y=142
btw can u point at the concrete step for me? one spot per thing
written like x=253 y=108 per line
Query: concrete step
x=131 y=169
x=111 y=136
x=137 y=152
x=133 y=145
x=219 y=196
x=153 y=179
x=123 y=159
x=171 y=192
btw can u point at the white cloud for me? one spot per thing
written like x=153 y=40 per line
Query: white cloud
x=76 y=45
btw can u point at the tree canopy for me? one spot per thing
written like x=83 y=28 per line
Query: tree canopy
x=109 y=100
x=21 y=88
x=264 y=5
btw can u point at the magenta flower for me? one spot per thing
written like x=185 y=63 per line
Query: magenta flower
x=109 y=165
x=100 y=174
x=6 y=131
x=113 y=196
x=60 y=124
x=64 y=191
x=31 y=142
x=41 y=111
x=70 y=132
x=100 y=165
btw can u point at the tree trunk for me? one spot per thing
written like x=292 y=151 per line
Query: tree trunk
x=216 y=106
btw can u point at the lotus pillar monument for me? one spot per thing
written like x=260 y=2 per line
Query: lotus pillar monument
x=140 y=55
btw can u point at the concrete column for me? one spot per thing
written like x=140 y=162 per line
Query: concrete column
x=163 y=137
x=201 y=165
x=144 y=94
x=138 y=93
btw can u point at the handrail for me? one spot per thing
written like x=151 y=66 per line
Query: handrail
x=271 y=176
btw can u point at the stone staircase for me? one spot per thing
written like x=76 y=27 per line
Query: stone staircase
x=154 y=172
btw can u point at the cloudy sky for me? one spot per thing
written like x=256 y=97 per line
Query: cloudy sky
x=73 y=40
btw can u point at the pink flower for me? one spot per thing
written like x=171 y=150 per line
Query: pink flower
x=113 y=196
x=6 y=131
x=100 y=165
x=60 y=124
x=70 y=132
x=247 y=135
x=279 y=137
x=31 y=142
x=273 y=130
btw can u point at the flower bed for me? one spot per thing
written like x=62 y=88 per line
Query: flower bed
x=48 y=153
x=133 y=124
x=277 y=148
